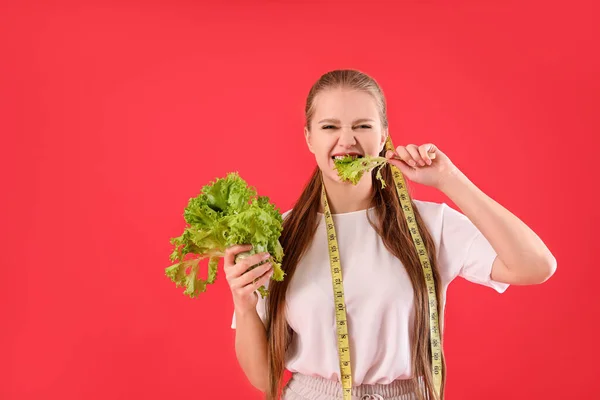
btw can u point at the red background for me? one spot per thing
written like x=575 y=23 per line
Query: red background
x=114 y=114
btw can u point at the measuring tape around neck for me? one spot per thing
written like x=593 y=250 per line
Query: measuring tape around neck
x=341 y=321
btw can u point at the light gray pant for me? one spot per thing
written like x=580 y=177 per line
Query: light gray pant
x=304 y=387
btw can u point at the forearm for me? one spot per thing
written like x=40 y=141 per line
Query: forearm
x=251 y=348
x=519 y=247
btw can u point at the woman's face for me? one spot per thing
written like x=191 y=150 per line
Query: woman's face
x=345 y=122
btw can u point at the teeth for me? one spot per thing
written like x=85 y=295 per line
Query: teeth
x=342 y=157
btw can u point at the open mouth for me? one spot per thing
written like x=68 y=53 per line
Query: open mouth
x=349 y=156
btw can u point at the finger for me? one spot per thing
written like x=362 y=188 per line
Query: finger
x=261 y=281
x=232 y=251
x=252 y=275
x=427 y=152
x=246 y=263
x=405 y=156
x=413 y=150
x=431 y=154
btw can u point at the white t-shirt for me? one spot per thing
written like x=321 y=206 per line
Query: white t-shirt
x=378 y=294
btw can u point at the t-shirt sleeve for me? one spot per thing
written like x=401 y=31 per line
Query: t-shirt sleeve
x=465 y=251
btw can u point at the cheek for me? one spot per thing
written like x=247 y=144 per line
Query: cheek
x=375 y=145
x=322 y=150
x=322 y=146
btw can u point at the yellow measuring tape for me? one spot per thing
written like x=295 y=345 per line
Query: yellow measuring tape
x=338 y=287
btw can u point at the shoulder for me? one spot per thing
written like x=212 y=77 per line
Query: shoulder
x=430 y=211
x=286 y=213
x=433 y=210
x=441 y=218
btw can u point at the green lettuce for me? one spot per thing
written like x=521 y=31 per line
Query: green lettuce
x=351 y=169
x=227 y=212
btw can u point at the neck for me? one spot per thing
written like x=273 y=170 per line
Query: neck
x=345 y=197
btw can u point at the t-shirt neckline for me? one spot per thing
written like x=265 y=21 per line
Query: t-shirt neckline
x=349 y=212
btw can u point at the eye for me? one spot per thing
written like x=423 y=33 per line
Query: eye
x=327 y=127
x=365 y=126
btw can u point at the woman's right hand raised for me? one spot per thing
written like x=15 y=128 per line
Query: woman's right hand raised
x=244 y=283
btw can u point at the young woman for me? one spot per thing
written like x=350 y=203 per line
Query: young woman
x=385 y=291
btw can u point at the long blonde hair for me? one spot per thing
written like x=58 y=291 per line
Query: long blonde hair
x=298 y=230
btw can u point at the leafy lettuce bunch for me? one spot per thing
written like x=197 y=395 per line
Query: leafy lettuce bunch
x=227 y=212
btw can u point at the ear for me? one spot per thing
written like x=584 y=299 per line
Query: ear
x=384 y=136
x=308 y=137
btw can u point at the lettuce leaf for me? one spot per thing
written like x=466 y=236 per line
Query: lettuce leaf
x=227 y=212
x=351 y=169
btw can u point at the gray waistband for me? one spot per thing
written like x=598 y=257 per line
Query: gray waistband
x=303 y=386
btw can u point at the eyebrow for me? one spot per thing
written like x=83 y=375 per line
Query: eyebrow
x=338 y=121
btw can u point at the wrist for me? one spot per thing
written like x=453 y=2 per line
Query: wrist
x=454 y=181
x=242 y=312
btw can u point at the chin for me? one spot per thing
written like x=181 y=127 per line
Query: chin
x=330 y=172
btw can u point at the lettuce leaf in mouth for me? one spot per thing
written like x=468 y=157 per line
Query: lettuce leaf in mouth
x=227 y=212
x=351 y=169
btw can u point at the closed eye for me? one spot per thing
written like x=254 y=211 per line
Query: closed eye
x=360 y=126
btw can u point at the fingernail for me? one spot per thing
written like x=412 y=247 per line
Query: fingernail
x=412 y=163
x=266 y=255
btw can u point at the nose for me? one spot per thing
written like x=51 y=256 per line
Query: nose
x=347 y=138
